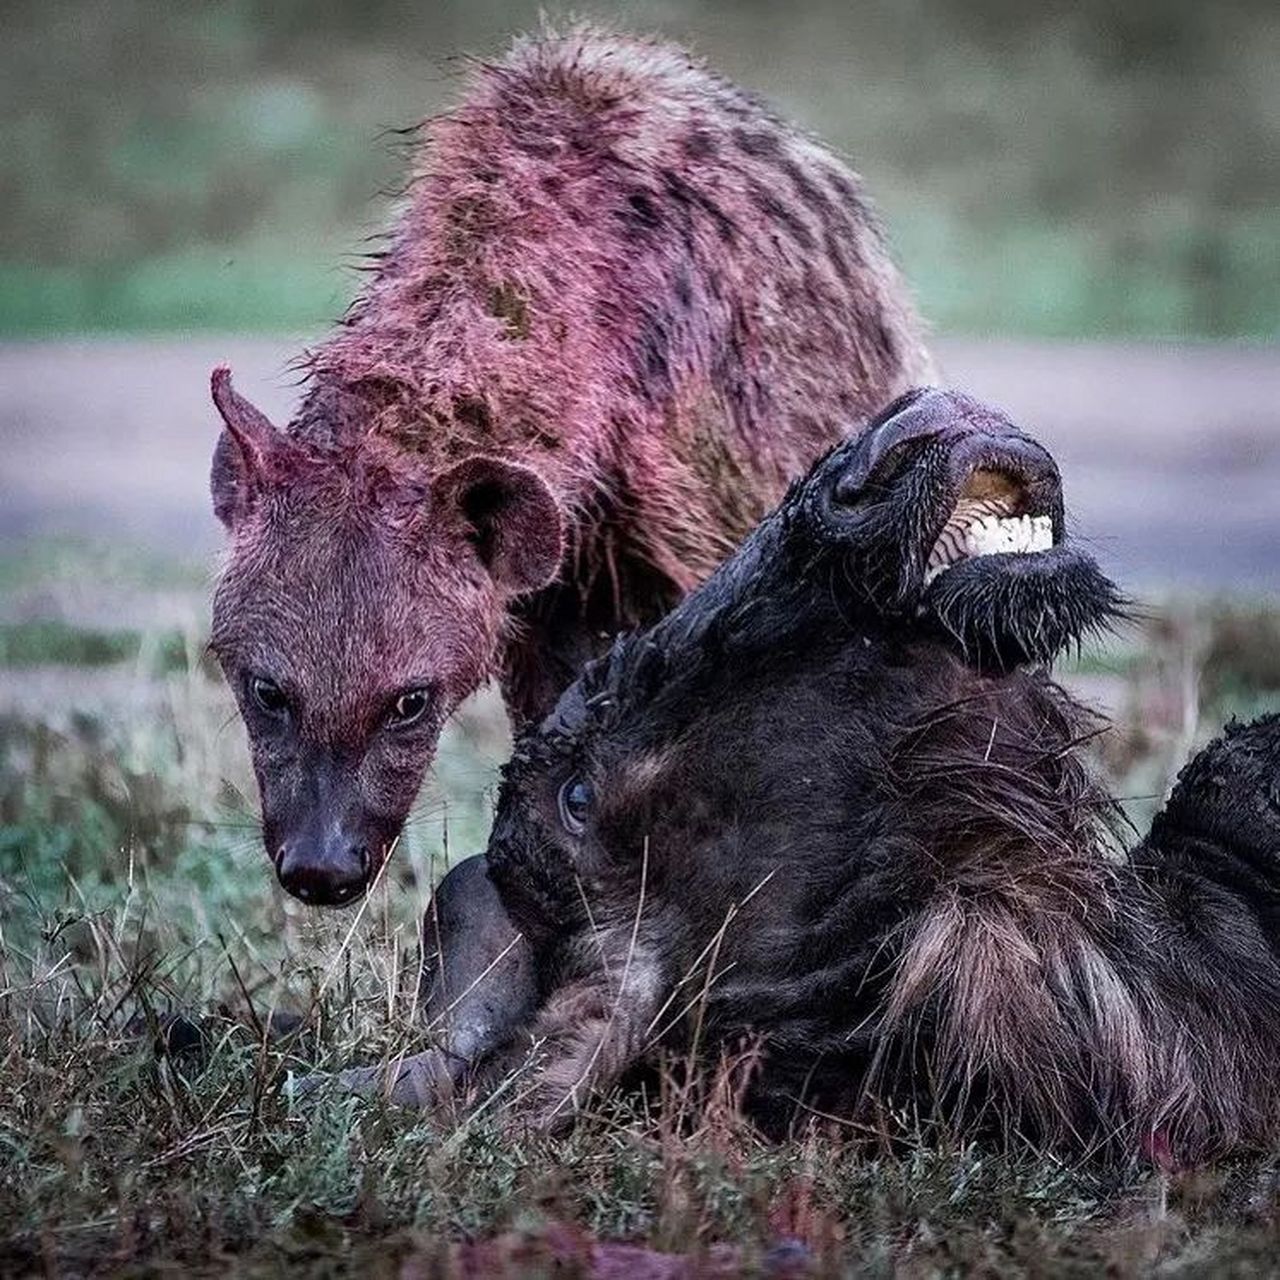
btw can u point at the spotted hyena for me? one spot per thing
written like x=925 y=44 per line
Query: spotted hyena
x=623 y=304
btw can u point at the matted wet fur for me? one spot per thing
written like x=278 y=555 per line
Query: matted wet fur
x=623 y=305
x=806 y=809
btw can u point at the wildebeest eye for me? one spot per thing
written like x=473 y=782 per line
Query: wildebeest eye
x=575 y=805
x=408 y=708
x=269 y=696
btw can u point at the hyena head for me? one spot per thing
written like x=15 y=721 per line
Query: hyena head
x=360 y=602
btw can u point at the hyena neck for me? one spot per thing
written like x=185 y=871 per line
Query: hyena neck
x=351 y=408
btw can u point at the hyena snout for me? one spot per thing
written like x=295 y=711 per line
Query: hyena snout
x=327 y=868
x=325 y=841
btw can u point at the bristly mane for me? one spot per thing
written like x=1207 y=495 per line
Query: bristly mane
x=1007 y=964
x=1066 y=991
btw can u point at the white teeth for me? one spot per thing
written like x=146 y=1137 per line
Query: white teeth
x=993 y=535
x=988 y=535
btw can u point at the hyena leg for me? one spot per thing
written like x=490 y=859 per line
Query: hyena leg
x=586 y=1035
x=479 y=978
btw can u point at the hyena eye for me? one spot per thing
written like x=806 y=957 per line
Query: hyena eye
x=408 y=707
x=574 y=803
x=269 y=696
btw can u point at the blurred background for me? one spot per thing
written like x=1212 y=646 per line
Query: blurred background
x=1084 y=195
x=1066 y=168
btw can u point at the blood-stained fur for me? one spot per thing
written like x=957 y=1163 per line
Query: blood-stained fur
x=624 y=303
x=832 y=808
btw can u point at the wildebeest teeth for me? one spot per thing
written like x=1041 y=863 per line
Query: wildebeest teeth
x=978 y=529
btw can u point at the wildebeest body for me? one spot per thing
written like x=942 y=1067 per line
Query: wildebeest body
x=832 y=808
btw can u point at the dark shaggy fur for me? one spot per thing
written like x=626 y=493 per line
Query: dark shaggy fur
x=810 y=808
x=623 y=305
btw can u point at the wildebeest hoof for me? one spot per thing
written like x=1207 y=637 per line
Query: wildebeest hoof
x=173 y=1035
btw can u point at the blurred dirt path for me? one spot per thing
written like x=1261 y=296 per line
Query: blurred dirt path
x=1171 y=454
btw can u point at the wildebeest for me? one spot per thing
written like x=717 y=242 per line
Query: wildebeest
x=624 y=304
x=834 y=802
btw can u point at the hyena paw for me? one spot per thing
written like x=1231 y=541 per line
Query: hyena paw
x=419 y=1081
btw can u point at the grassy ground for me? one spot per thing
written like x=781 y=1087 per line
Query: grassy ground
x=132 y=886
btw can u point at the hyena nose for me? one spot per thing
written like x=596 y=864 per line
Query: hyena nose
x=324 y=873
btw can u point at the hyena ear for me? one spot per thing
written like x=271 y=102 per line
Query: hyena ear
x=243 y=457
x=512 y=518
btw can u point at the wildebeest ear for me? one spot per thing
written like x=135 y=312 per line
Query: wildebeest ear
x=244 y=454
x=512 y=518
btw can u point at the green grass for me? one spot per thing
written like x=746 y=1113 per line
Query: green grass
x=29 y=644
x=205 y=288
x=59 y=563
x=133 y=886
x=1032 y=280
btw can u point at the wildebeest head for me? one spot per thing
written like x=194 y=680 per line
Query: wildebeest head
x=948 y=516
x=360 y=602
x=786 y=767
